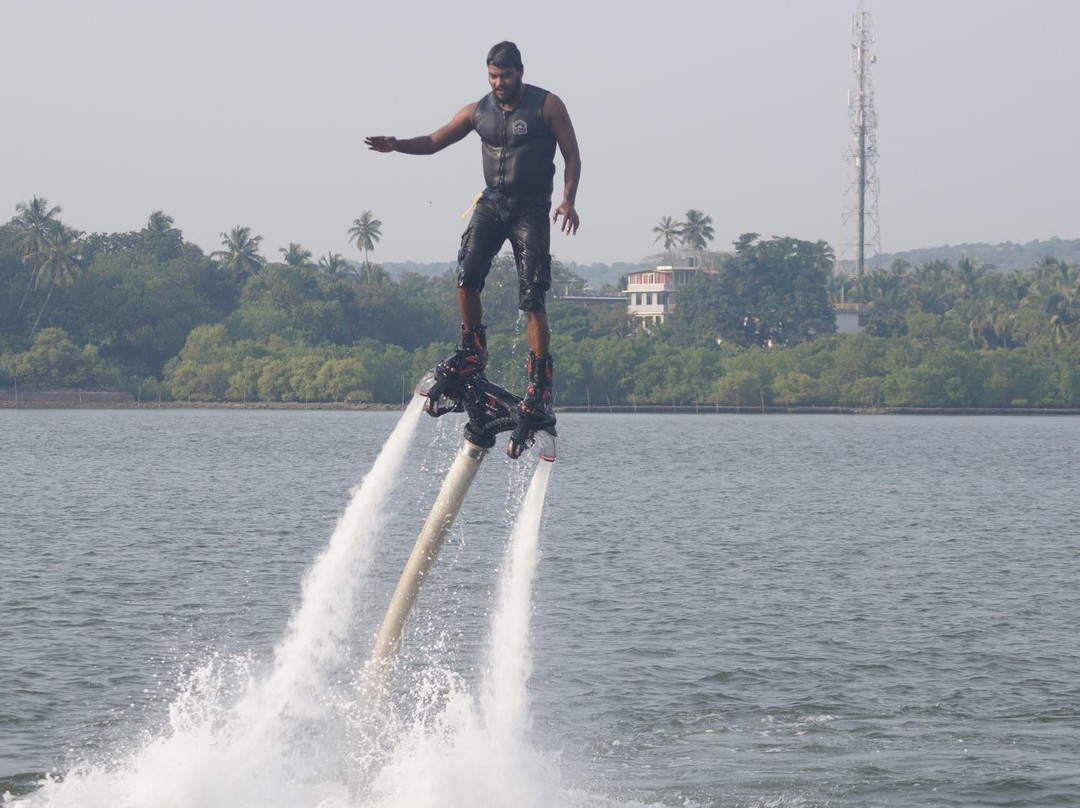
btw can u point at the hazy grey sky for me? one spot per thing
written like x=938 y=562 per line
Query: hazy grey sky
x=239 y=112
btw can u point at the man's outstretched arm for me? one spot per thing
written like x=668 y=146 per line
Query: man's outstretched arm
x=558 y=121
x=459 y=126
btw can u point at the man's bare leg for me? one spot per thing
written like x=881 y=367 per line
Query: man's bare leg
x=470 y=359
x=539 y=333
x=472 y=312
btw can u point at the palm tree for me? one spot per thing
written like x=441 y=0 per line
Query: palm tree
x=296 y=256
x=697 y=230
x=885 y=289
x=1064 y=315
x=967 y=277
x=1015 y=287
x=159 y=238
x=670 y=231
x=333 y=264
x=1004 y=325
x=241 y=253
x=823 y=256
x=159 y=222
x=1053 y=273
x=61 y=261
x=366 y=232
x=928 y=285
x=34 y=224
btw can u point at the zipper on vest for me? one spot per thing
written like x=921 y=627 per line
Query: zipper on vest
x=502 y=151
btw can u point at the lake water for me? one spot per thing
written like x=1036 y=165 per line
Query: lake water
x=729 y=610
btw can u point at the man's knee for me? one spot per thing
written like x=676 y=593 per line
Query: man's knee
x=531 y=298
x=465 y=281
x=534 y=279
x=472 y=271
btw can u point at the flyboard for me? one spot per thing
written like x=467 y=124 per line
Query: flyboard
x=491 y=410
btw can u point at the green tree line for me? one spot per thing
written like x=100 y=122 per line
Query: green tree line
x=149 y=311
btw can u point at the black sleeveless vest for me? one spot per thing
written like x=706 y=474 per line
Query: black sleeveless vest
x=517 y=146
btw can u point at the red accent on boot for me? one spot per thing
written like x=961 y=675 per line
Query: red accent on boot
x=537 y=399
x=471 y=357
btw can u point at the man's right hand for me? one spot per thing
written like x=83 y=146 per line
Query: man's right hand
x=381 y=143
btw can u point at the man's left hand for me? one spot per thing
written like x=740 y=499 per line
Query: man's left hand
x=570 y=218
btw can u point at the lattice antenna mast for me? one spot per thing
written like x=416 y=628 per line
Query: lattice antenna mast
x=861 y=228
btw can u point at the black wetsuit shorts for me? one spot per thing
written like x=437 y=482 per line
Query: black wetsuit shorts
x=525 y=224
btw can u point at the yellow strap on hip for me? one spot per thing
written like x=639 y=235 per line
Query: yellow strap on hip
x=469 y=209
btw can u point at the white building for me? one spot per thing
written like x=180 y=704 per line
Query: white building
x=651 y=292
x=651 y=295
x=850 y=317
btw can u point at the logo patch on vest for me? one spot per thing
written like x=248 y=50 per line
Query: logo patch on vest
x=520 y=127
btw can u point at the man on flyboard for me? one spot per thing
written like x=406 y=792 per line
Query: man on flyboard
x=519 y=127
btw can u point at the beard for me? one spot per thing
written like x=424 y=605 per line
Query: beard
x=510 y=92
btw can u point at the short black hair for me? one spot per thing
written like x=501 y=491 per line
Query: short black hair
x=505 y=54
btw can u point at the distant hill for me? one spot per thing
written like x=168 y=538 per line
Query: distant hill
x=1005 y=257
x=399 y=268
x=595 y=275
x=600 y=275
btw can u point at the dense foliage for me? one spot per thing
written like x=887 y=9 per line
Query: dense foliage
x=147 y=310
x=769 y=293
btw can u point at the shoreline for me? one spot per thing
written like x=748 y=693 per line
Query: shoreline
x=65 y=399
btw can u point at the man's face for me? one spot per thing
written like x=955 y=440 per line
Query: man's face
x=505 y=82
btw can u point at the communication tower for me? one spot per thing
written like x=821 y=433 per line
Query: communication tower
x=860 y=229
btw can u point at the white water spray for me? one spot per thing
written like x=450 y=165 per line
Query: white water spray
x=315 y=643
x=505 y=704
x=474 y=751
x=235 y=740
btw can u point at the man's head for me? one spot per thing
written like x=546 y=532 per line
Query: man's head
x=504 y=71
x=505 y=54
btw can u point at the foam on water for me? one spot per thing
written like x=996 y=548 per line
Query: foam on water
x=237 y=738
x=240 y=737
x=474 y=750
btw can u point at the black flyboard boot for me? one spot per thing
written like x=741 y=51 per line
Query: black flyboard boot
x=534 y=412
x=469 y=360
x=466 y=363
x=536 y=406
